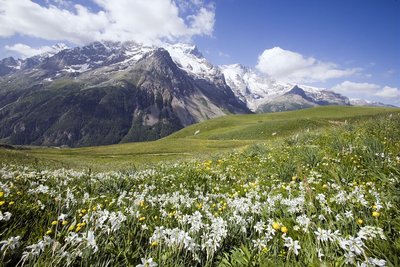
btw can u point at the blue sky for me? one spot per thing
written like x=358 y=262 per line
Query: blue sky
x=350 y=46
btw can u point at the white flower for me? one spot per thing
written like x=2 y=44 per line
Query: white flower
x=5 y=216
x=371 y=232
x=326 y=235
x=348 y=214
x=147 y=263
x=11 y=243
x=352 y=245
x=91 y=241
x=377 y=262
x=292 y=245
x=303 y=221
x=259 y=227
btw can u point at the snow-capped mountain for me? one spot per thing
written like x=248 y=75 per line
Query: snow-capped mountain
x=367 y=103
x=109 y=92
x=264 y=94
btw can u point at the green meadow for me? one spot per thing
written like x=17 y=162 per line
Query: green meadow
x=202 y=140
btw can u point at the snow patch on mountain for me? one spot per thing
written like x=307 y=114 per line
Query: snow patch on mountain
x=189 y=58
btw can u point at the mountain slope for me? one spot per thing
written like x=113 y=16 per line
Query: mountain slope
x=264 y=94
x=106 y=93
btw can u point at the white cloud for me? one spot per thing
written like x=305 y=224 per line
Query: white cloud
x=367 y=90
x=293 y=67
x=142 y=21
x=347 y=86
x=389 y=92
x=27 y=51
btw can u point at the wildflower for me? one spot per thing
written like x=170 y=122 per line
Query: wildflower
x=11 y=243
x=284 y=229
x=2 y=203
x=1 y=194
x=326 y=235
x=142 y=219
x=154 y=244
x=11 y=203
x=147 y=263
x=259 y=227
x=91 y=241
x=64 y=223
x=292 y=245
x=49 y=232
x=5 y=216
x=276 y=226
x=359 y=221
x=71 y=228
x=375 y=214
x=54 y=223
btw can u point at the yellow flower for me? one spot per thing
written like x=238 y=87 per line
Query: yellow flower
x=154 y=244
x=284 y=229
x=1 y=194
x=375 y=207
x=11 y=203
x=2 y=203
x=71 y=228
x=276 y=226
x=54 y=223
x=294 y=178
x=359 y=221
x=83 y=211
x=78 y=229
x=142 y=219
x=325 y=186
x=49 y=232
x=64 y=223
x=375 y=214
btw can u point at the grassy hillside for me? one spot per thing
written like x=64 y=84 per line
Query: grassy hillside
x=328 y=197
x=214 y=136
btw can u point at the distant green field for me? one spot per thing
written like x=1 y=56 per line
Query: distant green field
x=196 y=141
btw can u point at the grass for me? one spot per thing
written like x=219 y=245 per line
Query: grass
x=215 y=136
x=324 y=197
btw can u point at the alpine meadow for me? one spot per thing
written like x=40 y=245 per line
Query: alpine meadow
x=130 y=134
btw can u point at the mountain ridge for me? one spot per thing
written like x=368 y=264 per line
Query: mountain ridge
x=111 y=92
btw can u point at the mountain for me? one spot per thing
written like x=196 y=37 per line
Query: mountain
x=264 y=94
x=109 y=92
x=366 y=103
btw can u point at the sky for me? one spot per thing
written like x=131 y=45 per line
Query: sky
x=349 y=46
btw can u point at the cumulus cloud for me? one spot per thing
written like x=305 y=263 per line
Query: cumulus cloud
x=27 y=51
x=142 y=21
x=293 y=67
x=389 y=92
x=367 y=90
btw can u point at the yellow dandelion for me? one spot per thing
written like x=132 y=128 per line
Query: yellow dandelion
x=54 y=223
x=2 y=203
x=284 y=229
x=1 y=194
x=276 y=226
x=64 y=223
x=71 y=228
x=375 y=214
x=142 y=219
x=49 y=232
x=154 y=244
x=359 y=221
x=11 y=203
